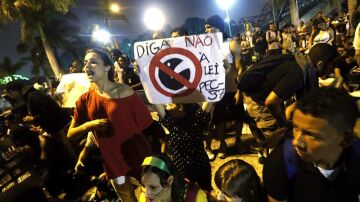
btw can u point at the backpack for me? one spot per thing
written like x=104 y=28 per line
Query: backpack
x=191 y=192
x=291 y=160
x=253 y=77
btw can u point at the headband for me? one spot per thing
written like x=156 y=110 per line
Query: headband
x=156 y=162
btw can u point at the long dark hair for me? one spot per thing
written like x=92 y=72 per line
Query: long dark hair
x=240 y=179
x=177 y=185
x=106 y=59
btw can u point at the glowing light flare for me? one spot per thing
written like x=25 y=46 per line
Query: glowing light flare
x=115 y=8
x=102 y=36
x=225 y=4
x=154 y=19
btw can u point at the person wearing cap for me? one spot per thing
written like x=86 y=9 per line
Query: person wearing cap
x=231 y=101
x=162 y=183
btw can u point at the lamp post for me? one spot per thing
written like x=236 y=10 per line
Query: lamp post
x=113 y=8
x=154 y=19
x=225 y=5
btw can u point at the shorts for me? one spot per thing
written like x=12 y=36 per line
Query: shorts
x=226 y=109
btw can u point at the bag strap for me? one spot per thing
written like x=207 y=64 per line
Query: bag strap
x=290 y=159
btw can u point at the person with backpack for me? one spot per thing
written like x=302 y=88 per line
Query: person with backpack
x=275 y=79
x=321 y=162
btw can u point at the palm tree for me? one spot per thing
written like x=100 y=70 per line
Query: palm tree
x=32 y=15
x=8 y=68
x=62 y=34
x=36 y=56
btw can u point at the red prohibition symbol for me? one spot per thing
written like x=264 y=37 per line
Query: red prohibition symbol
x=156 y=63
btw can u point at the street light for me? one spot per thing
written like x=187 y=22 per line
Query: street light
x=154 y=19
x=115 y=8
x=101 y=36
x=225 y=5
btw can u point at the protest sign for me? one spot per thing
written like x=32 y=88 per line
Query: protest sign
x=182 y=70
x=71 y=87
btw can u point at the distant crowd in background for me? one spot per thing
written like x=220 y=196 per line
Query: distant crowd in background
x=114 y=145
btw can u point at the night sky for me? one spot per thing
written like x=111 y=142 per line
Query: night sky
x=175 y=11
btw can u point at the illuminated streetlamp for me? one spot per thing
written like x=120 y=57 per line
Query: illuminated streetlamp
x=101 y=36
x=225 y=5
x=115 y=8
x=154 y=19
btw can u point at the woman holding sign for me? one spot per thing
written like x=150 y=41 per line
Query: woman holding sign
x=118 y=117
x=186 y=124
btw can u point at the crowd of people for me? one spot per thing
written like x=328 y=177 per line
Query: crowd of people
x=304 y=131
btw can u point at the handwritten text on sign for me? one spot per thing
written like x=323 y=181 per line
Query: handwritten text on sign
x=183 y=69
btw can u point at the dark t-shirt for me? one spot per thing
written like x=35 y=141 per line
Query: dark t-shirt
x=308 y=184
x=130 y=78
x=259 y=41
x=285 y=80
x=345 y=68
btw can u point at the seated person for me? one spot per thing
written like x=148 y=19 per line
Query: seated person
x=238 y=181
x=162 y=183
x=322 y=161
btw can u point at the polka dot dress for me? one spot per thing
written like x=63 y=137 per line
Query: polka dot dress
x=186 y=147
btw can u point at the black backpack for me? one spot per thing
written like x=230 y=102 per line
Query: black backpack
x=253 y=77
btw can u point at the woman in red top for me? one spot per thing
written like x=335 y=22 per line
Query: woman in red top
x=117 y=116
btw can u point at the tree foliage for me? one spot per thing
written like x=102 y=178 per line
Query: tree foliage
x=8 y=68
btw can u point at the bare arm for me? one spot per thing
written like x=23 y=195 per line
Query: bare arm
x=311 y=39
x=357 y=56
x=82 y=156
x=235 y=52
x=137 y=86
x=160 y=109
x=274 y=200
x=97 y=124
x=273 y=103
x=207 y=106
x=337 y=72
